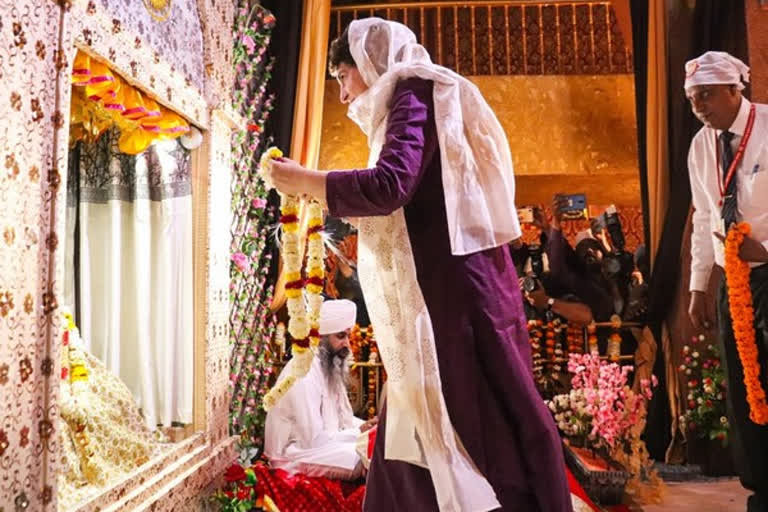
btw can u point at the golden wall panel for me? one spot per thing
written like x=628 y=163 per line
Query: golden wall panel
x=565 y=130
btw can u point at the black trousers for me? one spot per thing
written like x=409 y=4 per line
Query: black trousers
x=749 y=441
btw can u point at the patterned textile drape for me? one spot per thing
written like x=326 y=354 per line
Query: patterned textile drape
x=128 y=257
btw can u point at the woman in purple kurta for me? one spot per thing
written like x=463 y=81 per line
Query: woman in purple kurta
x=477 y=317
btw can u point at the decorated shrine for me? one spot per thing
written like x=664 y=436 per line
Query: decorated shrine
x=341 y=255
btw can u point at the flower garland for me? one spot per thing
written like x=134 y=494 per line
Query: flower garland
x=742 y=313
x=558 y=353
x=535 y=335
x=303 y=313
x=575 y=338
x=614 y=346
x=75 y=373
x=592 y=339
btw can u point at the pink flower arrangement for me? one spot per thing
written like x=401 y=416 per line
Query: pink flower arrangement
x=241 y=262
x=259 y=203
x=601 y=408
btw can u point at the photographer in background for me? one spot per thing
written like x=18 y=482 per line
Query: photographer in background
x=580 y=271
x=540 y=291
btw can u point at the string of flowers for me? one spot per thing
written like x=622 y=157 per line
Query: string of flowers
x=743 y=321
x=252 y=325
x=303 y=295
x=535 y=335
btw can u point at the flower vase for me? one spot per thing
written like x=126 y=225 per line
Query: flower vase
x=713 y=458
x=603 y=480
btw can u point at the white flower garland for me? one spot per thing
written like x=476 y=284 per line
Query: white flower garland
x=303 y=296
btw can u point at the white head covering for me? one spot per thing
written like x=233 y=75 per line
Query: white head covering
x=716 y=68
x=337 y=316
x=478 y=178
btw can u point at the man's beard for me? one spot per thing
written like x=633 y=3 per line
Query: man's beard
x=335 y=365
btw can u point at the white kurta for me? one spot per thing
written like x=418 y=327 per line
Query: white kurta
x=312 y=429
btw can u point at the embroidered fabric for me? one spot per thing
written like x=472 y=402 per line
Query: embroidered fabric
x=419 y=430
x=102 y=433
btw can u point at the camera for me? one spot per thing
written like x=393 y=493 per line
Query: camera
x=618 y=262
x=525 y=215
x=610 y=219
x=536 y=262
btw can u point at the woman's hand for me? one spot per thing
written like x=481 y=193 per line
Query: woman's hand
x=368 y=425
x=291 y=178
x=287 y=176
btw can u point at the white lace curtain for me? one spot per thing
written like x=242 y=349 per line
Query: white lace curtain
x=129 y=269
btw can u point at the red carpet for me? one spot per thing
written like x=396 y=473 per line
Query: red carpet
x=300 y=493
x=578 y=490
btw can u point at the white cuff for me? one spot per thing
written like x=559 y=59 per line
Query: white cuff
x=700 y=280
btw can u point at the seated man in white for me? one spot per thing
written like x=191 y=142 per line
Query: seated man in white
x=312 y=430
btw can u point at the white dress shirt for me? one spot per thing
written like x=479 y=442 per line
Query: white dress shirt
x=752 y=190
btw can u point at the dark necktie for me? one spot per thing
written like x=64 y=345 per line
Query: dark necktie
x=730 y=205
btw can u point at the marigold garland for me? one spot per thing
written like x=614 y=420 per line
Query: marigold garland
x=303 y=311
x=742 y=314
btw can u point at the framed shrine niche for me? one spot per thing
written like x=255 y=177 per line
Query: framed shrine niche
x=188 y=72
x=134 y=309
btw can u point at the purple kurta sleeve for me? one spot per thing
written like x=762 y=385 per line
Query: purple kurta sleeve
x=391 y=184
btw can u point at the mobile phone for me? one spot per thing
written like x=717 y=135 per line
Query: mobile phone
x=525 y=215
x=575 y=207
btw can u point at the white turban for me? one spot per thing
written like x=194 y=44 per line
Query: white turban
x=716 y=68
x=337 y=316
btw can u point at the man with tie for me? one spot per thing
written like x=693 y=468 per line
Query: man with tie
x=728 y=166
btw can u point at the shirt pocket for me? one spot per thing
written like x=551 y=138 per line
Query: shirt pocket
x=755 y=181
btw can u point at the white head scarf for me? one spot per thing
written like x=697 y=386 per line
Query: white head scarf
x=716 y=68
x=337 y=316
x=477 y=171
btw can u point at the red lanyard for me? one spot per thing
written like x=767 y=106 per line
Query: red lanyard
x=736 y=158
